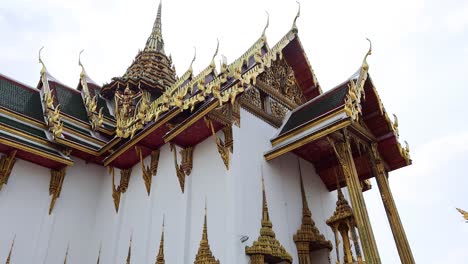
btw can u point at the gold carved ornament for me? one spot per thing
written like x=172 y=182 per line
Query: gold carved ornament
x=204 y=254
x=187 y=160
x=267 y=246
x=147 y=171
x=122 y=188
x=55 y=186
x=223 y=150
x=179 y=171
x=6 y=165
x=96 y=118
x=52 y=114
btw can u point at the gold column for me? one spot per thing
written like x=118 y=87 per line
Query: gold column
x=344 y=155
x=399 y=235
x=348 y=255
x=303 y=252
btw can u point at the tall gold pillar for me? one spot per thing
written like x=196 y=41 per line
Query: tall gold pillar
x=344 y=155
x=399 y=235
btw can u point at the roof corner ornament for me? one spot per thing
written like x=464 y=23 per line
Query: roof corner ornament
x=267 y=24
x=44 y=69
x=83 y=72
x=369 y=52
x=193 y=60
x=212 y=64
x=294 y=26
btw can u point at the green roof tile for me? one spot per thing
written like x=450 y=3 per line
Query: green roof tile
x=20 y=99
x=71 y=103
x=25 y=128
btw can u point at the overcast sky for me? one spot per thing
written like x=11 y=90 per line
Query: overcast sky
x=419 y=65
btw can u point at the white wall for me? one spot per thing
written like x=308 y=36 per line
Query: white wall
x=84 y=215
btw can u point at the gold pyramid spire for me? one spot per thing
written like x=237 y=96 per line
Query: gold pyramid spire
x=160 y=256
x=309 y=233
x=267 y=248
x=129 y=255
x=204 y=255
x=155 y=41
x=11 y=250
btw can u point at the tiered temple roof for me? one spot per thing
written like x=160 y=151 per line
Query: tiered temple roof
x=148 y=107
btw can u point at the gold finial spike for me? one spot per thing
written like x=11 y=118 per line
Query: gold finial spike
x=294 y=26
x=205 y=228
x=464 y=214
x=43 y=70
x=155 y=41
x=305 y=205
x=66 y=254
x=160 y=256
x=11 y=250
x=265 y=214
x=129 y=255
x=81 y=64
x=194 y=58
x=267 y=23
x=212 y=64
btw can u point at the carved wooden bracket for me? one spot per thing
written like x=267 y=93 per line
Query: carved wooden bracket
x=6 y=165
x=179 y=171
x=55 y=186
x=122 y=188
x=147 y=171
x=187 y=160
x=223 y=149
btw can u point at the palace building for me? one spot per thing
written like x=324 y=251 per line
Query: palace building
x=243 y=162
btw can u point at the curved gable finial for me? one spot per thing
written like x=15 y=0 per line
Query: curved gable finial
x=81 y=64
x=369 y=52
x=214 y=55
x=43 y=70
x=267 y=24
x=194 y=58
x=294 y=26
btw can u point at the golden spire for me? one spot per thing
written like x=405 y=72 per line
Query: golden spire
x=155 y=41
x=267 y=245
x=309 y=232
x=294 y=26
x=342 y=211
x=160 y=256
x=204 y=255
x=129 y=251
x=11 y=250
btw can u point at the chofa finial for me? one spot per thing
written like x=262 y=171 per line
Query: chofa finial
x=81 y=64
x=216 y=53
x=194 y=58
x=294 y=26
x=369 y=52
x=43 y=70
x=267 y=24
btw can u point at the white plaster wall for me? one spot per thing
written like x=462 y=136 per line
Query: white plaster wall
x=40 y=237
x=85 y=218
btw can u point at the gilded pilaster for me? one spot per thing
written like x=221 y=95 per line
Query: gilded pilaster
x=399 y=235
x=187 y=160
x=122 y=188
x=179 y=171
x=345 y=158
